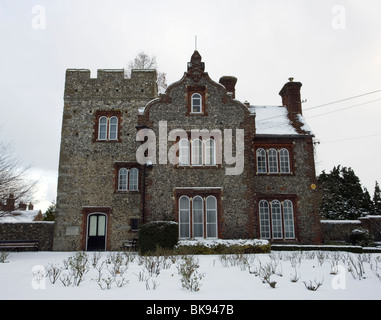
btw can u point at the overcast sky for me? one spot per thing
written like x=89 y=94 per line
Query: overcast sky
x=332 y=47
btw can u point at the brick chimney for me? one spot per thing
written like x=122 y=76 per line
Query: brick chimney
x=229 y=83
x=291 y=98
x=30 y=206
x=22 y=206
x=10 y=203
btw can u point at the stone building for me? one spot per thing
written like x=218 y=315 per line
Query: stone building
x=195 y=155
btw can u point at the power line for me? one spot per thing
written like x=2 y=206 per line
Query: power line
x=343 y=109
x=331 y=103
x=338 y=101
x=354 y=138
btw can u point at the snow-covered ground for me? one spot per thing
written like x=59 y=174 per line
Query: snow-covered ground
x=222 y=277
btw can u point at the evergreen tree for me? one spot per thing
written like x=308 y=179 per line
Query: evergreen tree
x=343 y=197
x=50 y=214
x=377 y=199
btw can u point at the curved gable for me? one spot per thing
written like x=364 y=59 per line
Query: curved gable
x=216 y=98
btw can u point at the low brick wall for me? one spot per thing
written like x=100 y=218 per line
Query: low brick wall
x=42 y=231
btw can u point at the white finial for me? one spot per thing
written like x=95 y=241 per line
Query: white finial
x=195 y=42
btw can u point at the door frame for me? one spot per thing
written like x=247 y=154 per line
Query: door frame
x=86 y=213
x=98 y=214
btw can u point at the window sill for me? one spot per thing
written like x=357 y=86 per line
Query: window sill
x=217 y=166
x=126 y=192
x=264 y=174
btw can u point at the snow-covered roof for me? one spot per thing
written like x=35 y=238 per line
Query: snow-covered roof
x=19 y=216
x=274 y=120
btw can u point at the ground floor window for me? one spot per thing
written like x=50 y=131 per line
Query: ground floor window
x=276 y=219
x=198 y=217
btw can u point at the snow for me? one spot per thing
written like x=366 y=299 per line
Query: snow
x=223 y=279
x=211 y=243
x=340 y=221
x=19 y=216
x=274 y=120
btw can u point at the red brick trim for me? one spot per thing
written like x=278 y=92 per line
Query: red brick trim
x=108 y=114
x=202 y=90
x=127 y=165
x=86 y=211
x=204 y=193
x=277 y=146
x=280 y=197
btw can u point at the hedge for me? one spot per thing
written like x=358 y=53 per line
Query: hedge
x=162 y=234
x=199 y=247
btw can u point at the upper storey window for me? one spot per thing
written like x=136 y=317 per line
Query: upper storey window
x=273 y=161
x=197 y=100
x=107 y=126
x=196 y=103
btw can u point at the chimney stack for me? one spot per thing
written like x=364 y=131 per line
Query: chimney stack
x=229 y=83
x=291 y=98
x=10 y=203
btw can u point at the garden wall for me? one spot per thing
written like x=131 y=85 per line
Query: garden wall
x=42 y=231
x=340 y=230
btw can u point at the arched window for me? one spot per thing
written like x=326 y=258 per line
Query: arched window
x=210 y=152
x=284 y=161
x=102 y=128
x=264 y=219
x=134 y=180
x=273 y=161
x=113 y=129
x=196 y=103
x=288 y=216
x=122 y=179
x=197 y=152
x=184 y=158
x=261 y=161
x=276 y=218
x=211 y=217
x=184 y=217
x=198 y=217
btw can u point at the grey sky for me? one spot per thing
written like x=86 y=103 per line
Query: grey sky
x=334 y=51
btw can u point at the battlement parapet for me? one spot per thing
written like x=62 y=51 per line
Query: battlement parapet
x=110 y=84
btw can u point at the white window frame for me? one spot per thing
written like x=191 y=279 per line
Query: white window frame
x=284 y=161
x=288 y=218
x=102 y=134
x=211 y=211
x=123 y=174
x=210 y=152
x=184 y=211
x=264 y=219
x=273 y=160
x=276 y=219
x=133 y=184
x=196 y=97
x=202 y=214
x=261 y=161
x=113 y=129
x=197 y=152
x=184 y=152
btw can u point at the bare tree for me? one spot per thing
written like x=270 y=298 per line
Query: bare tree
x=13 y=177
x=145 y=62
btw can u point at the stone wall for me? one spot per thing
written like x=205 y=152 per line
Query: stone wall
x=338 y=231
x=87 y=172
x=42 y=231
